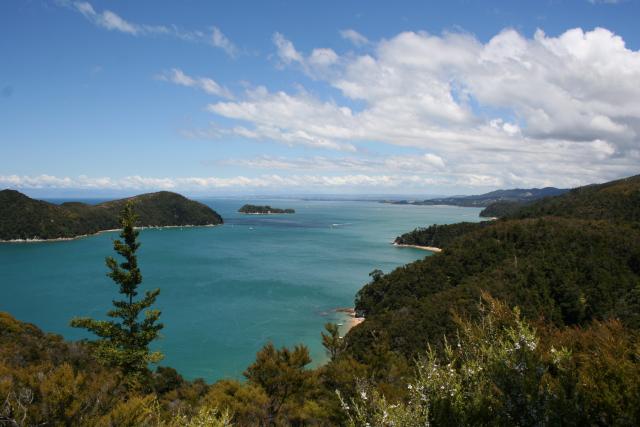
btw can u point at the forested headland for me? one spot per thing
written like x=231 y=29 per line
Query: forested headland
x=24 y=218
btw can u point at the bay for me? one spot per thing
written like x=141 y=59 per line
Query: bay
x=225 y=290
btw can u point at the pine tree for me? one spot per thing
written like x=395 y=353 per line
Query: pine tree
x=124 y=343
x=332 y=341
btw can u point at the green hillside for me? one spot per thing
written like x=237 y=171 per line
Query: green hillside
x=569 y=259
x=26 y=218
x=613 y=201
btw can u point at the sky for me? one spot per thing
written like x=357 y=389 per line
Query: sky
x=324 y=97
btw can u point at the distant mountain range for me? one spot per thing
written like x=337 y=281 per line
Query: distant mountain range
x=615 y=201
x=24 y=218
x=516 y=195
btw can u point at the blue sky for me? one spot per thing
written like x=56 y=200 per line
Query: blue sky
x=316 y=97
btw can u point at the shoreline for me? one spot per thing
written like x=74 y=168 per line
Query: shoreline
x=424 y=248
x=351 y=319
x=82 y=236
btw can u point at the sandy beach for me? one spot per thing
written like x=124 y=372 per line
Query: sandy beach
x=425 y=248
x=351 y=320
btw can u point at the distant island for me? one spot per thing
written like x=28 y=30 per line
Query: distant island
x=507 y=200
x=25 y=219
x=264 y=210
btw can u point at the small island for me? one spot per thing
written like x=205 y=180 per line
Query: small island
x=263 y=210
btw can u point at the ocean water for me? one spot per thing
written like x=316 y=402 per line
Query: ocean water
x=226 y=290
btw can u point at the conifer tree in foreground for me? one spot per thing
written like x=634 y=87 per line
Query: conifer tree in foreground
x=124 y=343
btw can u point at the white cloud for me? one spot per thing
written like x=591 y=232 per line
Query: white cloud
x=605 y=1
x=563 y=110
x=286 y=50
x=424 y=163
x=220 y=40
x=272 y=181
x=205 y=84
x=114 y=22
x=299 y=119
x=106 y=19
x=354 y=37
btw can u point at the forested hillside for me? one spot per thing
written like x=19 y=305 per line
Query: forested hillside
x=519 y=195
x=26 y=218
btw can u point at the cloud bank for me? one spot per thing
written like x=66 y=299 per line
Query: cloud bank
x=562 y=109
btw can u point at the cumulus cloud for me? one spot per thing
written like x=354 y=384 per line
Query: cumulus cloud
x=548 y=109
x=354 y=37
x=205 y=84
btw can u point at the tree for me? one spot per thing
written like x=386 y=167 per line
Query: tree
x=282 y=375
x=124 y=343
x=332 y=341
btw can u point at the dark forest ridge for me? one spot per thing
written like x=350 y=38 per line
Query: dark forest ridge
x=264 y=210
x=617 y=201
x=520 y=195
x=25 y=218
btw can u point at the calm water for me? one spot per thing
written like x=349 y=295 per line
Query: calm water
x=226 y=290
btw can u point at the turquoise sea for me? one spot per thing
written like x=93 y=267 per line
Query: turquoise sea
x=226 y=290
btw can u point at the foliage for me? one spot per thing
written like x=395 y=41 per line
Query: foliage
x=206 y=417
x=257 y=209
x=332 y=341
x=439 y=236
x=125 y=343
x=501 y=209
x=26 y=218
x=502 y=371
x=567 y=271
x=617 y=201
x=282 y=375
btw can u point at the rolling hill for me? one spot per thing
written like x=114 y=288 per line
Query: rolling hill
x=22 y=217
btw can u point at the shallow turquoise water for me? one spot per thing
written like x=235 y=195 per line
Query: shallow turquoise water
x=226 y=290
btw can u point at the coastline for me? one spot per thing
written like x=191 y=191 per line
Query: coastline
x=424 y=248
x=351 y=320
x=82 y=236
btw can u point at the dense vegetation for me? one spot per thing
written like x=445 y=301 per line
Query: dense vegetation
x=483 y=200
x=26 y=218
x=567 y=271
x=264 y=210
x=501 y=209
x=617 y=201
x=529 y=320
x=438 y=236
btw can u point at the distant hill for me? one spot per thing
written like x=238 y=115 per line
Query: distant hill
x=617 y=201
x=614 y=201
x=521 y=195
x=22 y=217
x=264 y=210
